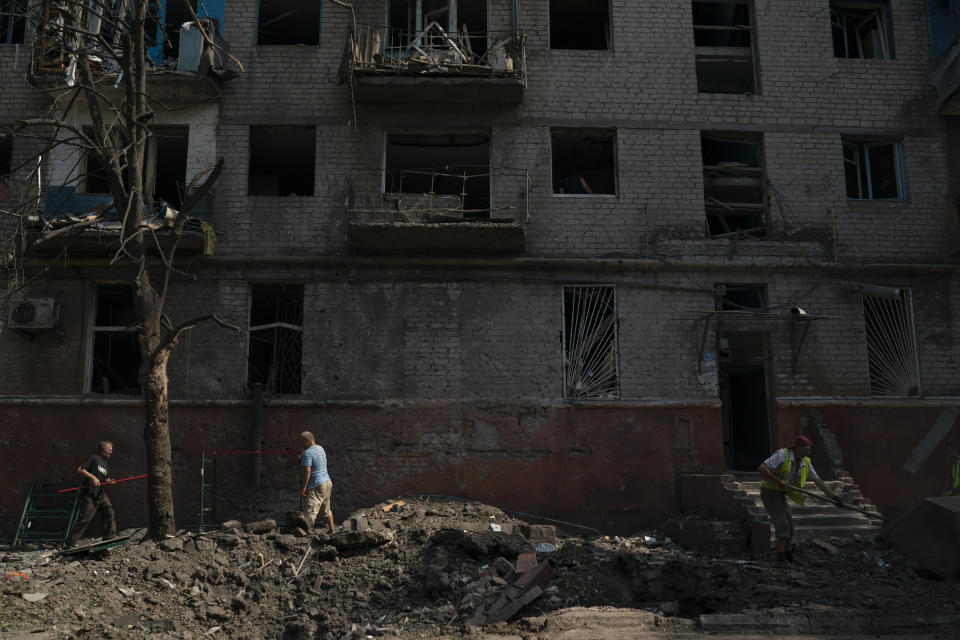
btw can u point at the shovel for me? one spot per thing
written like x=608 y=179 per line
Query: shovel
x=844 y=505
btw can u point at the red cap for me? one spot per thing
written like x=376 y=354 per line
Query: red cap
x=801 y=441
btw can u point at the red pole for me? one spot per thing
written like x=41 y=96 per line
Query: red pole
x=108 y=482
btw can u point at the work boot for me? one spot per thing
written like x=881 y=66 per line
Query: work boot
x=781 y=559
x=788 y=555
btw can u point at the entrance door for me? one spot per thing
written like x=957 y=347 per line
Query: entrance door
x=744 y=398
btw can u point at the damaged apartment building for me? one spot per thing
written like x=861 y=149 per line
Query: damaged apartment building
x=554 y=255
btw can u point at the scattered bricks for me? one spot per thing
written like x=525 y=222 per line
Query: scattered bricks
x=16 y=575
x=511 y=609
x=503 y=566
x=526 y=562
x=535 y=578
x=393 y=506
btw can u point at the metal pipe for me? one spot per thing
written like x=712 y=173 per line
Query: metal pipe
x=516 y=17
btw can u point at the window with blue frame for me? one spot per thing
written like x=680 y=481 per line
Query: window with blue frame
x=12 y=21
x=288 y=22
x=873 y=169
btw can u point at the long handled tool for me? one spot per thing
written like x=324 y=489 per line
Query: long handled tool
x=106 y=483
x=842 y=504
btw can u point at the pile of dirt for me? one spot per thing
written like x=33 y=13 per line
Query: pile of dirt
x=422 y=567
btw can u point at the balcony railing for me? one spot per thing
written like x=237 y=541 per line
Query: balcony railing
x=483 y=65
x=444 y=210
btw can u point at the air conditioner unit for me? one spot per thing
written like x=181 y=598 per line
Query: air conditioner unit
x=34 y=313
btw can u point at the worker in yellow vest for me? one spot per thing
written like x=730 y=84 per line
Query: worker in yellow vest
x=785 y=468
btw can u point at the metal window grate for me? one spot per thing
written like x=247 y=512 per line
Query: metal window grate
x=891 y=345
x=590 y=342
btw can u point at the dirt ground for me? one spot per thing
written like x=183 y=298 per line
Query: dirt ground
x=439 y=568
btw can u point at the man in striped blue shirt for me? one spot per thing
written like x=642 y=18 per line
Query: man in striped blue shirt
x=315 y=484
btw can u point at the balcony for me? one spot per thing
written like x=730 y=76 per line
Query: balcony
x=433 y=65
x=439 y=212
x=945 y=53
x=185 y=68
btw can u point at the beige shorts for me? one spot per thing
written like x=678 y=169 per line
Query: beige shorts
x=318 y=501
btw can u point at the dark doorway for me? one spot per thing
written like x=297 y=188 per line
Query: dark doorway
x=744 y=399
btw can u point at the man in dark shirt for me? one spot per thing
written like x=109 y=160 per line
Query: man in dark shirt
x=94 y=498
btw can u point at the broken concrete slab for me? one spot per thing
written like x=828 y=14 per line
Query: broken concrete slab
x=929 y=533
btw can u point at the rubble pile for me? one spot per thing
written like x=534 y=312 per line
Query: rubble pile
x=423 y=567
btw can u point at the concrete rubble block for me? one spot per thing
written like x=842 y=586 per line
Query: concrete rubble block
x=542 y=533
x=326 y=552
x=232 y=524
x=205 y=545
x=346 y=540
x=514 y=606
x=172 y=544
x=217 y=613
x=929 y=533
x=298 y=520
x=261 y=526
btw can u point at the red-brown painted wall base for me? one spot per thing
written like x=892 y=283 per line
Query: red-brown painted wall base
x=876 y=442
x=614 y=469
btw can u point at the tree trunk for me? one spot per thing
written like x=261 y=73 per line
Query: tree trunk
x=156 y=437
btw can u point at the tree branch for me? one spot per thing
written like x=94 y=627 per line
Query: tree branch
x=170 y=341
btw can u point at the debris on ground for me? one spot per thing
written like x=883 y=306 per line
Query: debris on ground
x=421 y=567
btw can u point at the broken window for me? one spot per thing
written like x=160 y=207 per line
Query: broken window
x=584 y=161
x=733 y=183
x=447 y=172
x=116 y=351
x=590 y=342
x=724 y=47
x=891 y=344
x=740 y=297
x=407 y=19
x=861 y=30
x=164 y=167
x=282 y=161
x=579 y=24
x=12 y=21
x=275 y=343
x=873 y=169
x=289 y=22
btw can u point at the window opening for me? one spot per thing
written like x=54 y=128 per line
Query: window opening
x=12 y=21
x=282 y=161
x=723 y=40
x=437 y=172
x=735 y=297
x=583 y=161
x=590 y=342
x=873 y=170
x=165 y=169
x=116 y=351
x=733 y=184
x=891 y=345
x=275 y=345
x=176 y=14
x=579 y=24
x=289 y=22
x=861 y=30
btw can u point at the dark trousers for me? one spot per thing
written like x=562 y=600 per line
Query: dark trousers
x=92 y=506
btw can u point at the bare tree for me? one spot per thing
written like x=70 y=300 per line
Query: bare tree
x=98 y=49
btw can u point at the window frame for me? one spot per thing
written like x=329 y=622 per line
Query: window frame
x=608 y=36
x=614 y=343
x=762 y=208
x=271 y=326
x=613 y=133
x=879 y=10
x=727 y=53
x=13 y=19
x=861 y=148
x=88 y=384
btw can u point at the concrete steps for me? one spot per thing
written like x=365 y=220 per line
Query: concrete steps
x=816 y=518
